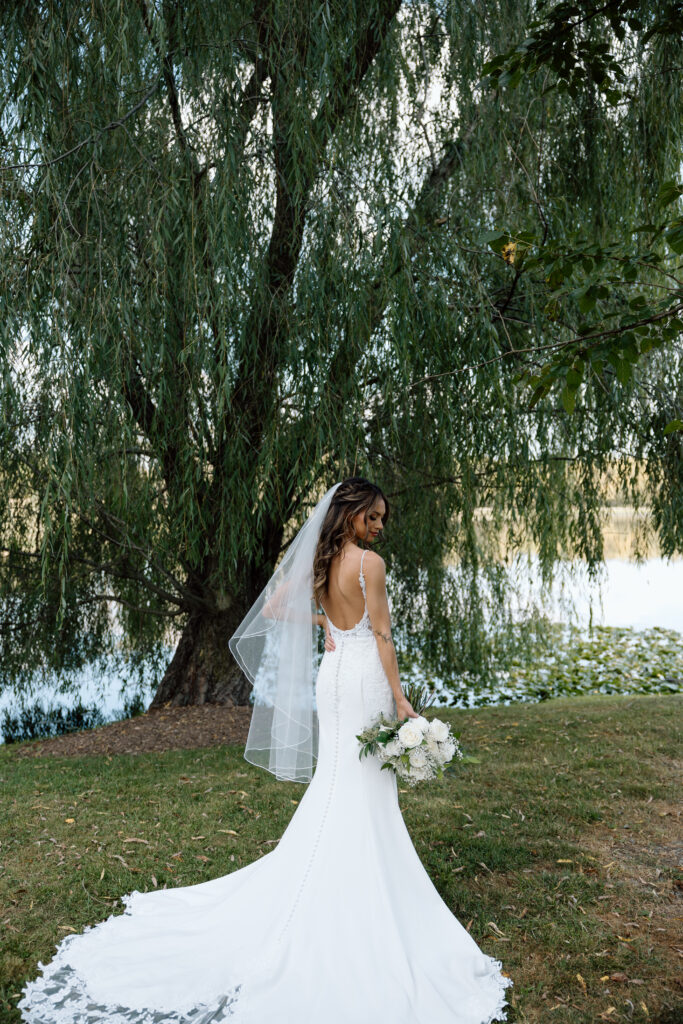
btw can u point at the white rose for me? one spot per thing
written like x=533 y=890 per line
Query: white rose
x=438 y=729
x=420 y=774
x=446 y=750
x=418 y=757
x=421 y=722
x=410 y=735
x=393 y=748
x=433 y=747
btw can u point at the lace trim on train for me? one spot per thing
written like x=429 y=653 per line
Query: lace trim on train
x=500 y=983
x=60 y=996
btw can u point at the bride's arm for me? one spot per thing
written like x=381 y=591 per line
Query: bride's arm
x=276 y=608
x=321 y=620
x=380 y=620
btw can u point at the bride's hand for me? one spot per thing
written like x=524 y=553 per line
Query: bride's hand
x=404 y=709
x=329 y=642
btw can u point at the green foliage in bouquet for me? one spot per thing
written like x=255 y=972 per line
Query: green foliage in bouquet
x=419 y=696
x=413 y=748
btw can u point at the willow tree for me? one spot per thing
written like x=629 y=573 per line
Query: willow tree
x=246 y=252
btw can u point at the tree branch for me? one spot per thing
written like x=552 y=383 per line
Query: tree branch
x=406 y=234
x=264 y=324
x=133 y=607
x=91 y=138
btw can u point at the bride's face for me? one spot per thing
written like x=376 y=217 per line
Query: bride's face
x=369 y=530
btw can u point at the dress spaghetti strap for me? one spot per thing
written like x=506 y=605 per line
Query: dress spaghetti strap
x=361 y=578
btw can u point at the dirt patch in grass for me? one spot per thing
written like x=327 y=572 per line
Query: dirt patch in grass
x=642 y=859
x=172 y=728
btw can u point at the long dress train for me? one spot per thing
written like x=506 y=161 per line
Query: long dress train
x=338 y=924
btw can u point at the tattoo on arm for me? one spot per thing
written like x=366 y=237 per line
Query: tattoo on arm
x=385 y=636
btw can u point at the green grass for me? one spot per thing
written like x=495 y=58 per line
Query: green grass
x=557 y=850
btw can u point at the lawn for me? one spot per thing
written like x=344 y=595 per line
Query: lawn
x=559 y=850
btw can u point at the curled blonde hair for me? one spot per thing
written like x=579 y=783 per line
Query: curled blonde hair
x=354 y=495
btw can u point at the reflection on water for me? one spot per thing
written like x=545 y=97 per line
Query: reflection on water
x=101 y=691
x=626 y=535
x=628 y=594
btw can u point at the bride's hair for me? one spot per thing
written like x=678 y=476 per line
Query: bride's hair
x=354 y=495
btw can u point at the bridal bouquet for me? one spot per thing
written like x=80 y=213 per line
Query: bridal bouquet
x=415 y=749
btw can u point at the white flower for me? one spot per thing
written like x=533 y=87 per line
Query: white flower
x=393 y=748
x=446 y=750
x=418 y=757
x=409 y=734
x=438 y=730
x=433 y=747
x=421 y=722
x=420 y=774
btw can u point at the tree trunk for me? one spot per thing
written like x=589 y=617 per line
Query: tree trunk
x=202 y=670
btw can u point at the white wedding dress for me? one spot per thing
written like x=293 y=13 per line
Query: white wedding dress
x=339 y=924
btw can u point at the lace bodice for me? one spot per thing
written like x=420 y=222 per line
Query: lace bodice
x=363 y=628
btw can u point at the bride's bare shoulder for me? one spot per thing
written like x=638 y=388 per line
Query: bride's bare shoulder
x=373 y=564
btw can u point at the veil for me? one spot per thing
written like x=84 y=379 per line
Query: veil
x=275 y=647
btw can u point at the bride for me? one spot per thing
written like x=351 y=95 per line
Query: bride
x=340 y=923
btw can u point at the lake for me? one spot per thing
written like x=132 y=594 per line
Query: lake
x=630 y=594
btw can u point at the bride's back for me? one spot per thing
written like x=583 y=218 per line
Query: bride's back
x=344 y=604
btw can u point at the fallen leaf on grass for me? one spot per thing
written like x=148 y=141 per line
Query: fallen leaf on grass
x=582 y=983
x=133 y=840
x=117 y=856
x=228 y=831
x=69 y=821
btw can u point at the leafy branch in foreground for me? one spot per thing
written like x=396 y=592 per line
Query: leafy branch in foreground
x=572 y=40
x=616 y=303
